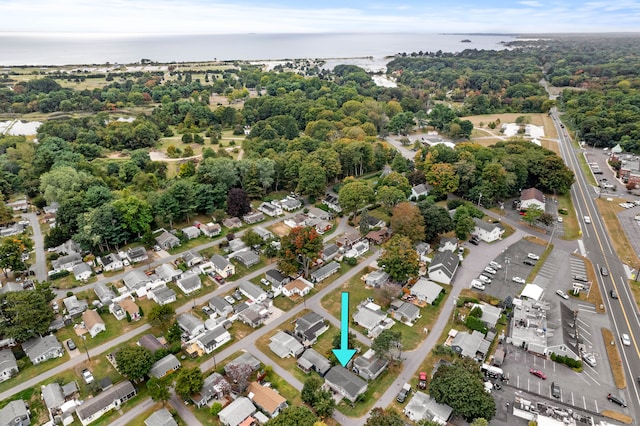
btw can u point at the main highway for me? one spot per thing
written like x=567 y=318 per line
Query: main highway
x=597 y=244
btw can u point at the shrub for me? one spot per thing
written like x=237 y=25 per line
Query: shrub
x=475 y=324
x=351 y=261
x=476 y=312
x=442 y=350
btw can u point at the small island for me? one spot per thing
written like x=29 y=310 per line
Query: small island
x=466 y=40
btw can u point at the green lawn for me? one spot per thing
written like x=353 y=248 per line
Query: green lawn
x=29 y=371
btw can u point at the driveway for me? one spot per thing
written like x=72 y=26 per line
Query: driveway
x=40 y=267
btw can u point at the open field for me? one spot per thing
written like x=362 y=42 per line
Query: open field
x=614 y=359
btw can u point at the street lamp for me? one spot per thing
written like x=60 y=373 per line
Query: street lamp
x=455 y=305
x=84 y=343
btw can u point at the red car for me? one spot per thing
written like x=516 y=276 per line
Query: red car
x=422 y=384
x=538 y=373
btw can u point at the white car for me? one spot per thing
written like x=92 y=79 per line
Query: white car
x=477 y=285
x=230 y=300
x=625 y=339
x=518 y=280
x=590 y=359
x=560 y=219
x=485 y=279
x=533 y=256
x=495 y=265
x=264 y=281
x=562 y=294
x=490 y=270
x=587 y=219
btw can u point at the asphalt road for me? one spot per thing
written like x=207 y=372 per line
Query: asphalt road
x=40 y=267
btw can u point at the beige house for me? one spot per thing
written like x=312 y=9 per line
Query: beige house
x=93 y=322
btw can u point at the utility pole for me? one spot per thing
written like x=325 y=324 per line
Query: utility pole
x=479 y=199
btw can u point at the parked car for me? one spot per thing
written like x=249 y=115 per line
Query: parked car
x=580 y=278
x=490 y=270
x=562 y=294
x=477 y=285
x=533 y=256
x=604 y=271
x=559 y=219
x=495 y=265
x=484 y=279
x=625 y=339
x=87 y=376
x=616 y=399
x=518 y=280
x=529 y=262
x=613 y=294
x=589 y=359
x=230 y=299
x=538 y=373
x=207 y=310
x=555 y=390
x=264 y=281
x=71 y=345
x=402 y=395
x=422 y=377
x=237 y=295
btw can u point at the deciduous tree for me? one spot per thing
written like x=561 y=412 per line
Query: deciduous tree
x=406 y=220
x=388 y=345
x=134 y=361
x=188 y=382
x=158 y=390
x=382 y=417
x=238 y=203
x=11 y=250
x=301 y=247
x=293 y=416
x=399 y=259
x=355 y=195
x=161 y=316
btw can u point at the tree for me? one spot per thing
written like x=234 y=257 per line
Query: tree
x=293 y=416
x=463 y=226
x=364 y=222
x=239 y=375
x=399 y=259
x=238 y=203
x=382 y=417
x=11 y=250
x=135 y=213
x=390 y=196
x=252 y=239
x=406 y=220
x=320 y=400
x=216 y=407
x=388 y=345
x=312 y=179
x=355 y=195
x=479 y=422
x=134 y=361
x=161 y=316
x=443 y=177
x=460 y=386
x=188 y=382
x=62 y=183
x=302 y=247
x=158 y=390
x=26 y=314
x=436 y=220
x=532 y=214
x=310 y=389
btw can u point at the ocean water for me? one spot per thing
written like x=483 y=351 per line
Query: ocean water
x=78 y=49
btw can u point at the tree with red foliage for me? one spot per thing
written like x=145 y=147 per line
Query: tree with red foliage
x=302 y=247
x=238 y=202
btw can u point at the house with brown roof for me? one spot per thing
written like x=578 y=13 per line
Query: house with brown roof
x=532 y=197
x=130 y=307
x=296 y=287
x=93 y=322
x=266 y=399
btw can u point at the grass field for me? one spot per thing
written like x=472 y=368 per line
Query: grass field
x=614 y=359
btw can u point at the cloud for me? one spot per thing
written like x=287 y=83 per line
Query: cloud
x=530 y=3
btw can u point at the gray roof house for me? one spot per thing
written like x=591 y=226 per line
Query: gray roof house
x=329 y=252
x=263 y=233
x=82 y=271
x=487 y=232
x=95 y=407
x=309 y=327
x=426 y=291
x=376 y=278
x=190 y=324
x=192 y=257
x=189 y=282
x=104 y=293
x=15 y=413
x=137 y=254
x=166 y=240
x=368 y=366
x=372 y=319
x=325 y=272
x=422 y=406
x=471 y=345
x=110 y=262
x=405 y=312
x=443 y=266
x=222 y=266
x=236 y=245
x=276 y=278
x=220 y=306
x=167 y=272
x=40 y=349
x=53 y=398
x=8 y=365
x=135 y=280
x=74 y=307
x=162 y=295
x=490 y=314
x=66 y=262
x=345 y=383
x=11 y=286
x=236 y=412
x=151 y=342
x=245 y=358
x=161 y=417
x=419 y=190
x=191 y=232
x=252 y=291
x=248 y=258
x=213 y=339
x=270 y=209
x=253 y=217
x=210 y=229
x=214 y=386
x=164 y=366
x=232 y=222
x=284 y=345
x=254 y=315
x=313 y=360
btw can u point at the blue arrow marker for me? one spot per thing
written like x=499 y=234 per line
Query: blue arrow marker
x=344 y=354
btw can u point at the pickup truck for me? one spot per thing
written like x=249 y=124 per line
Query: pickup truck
x=404 y=392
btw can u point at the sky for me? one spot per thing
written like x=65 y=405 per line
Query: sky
x=299 y=16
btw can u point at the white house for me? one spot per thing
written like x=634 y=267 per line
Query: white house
x=443 y=266
x=419 y=190
x=93 y=408
x=189 y=282
x=426 y=291
x=285 y=345
x=487 y=232
x=252 y=291
x=82 y=271
x=298 y=287
x=110 y=262
x=532 y=197
x=423 y=407
x=358 y=249
x=191 y=232
x=222 y=266
x=270 y=209
x=93 y=323
x=213 y=339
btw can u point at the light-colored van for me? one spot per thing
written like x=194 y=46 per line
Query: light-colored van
x=587 y=219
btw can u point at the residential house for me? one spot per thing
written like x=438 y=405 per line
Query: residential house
x=68 y=247
x=345 y=383
x=53 y=399
x=51 y=208
x=332 y=202
x=191 y=232
x=296 y=221
x=245 y=358
x=369 y=366
x=161 y=417
x=325 y=271
x=319 y=224
x=104 y=293
x=215 y=386
x=263 y=233
x=192 y=258
x=74 y=307
x=376 y=278
x=443 y=266
x=266 y=399
x=11 y=287
x=285 y=345
x=532 y=197
x=374 y=222
x=276 y=278
x=237 y=245
x=137 y=254
x=424 y=250
x=253 y=217
x=166 y=240
x=313 y=360
x=117 y=311
x=15 y=413
x=136 y=280
x=232 y=223
x=448 y=244
x=151 y=342
x=297 y=287
x=8 y=365
x=270 y=209
x=191 y=325
x=164 y=366
x=329 y=252
x=82 y=271
x=237 y=412
x=358 y=249
x=220 y=306
x=19 y=206
x=426 y=291
x=210 y=229
x=490 y=314
x=110 y=262
x=372 y=319
x=162 y=295
x=487 y=232
x=254 y=315
x=66 y=263
x=130 y=307
x=167 y=272
x=189 y=282
x=248 y=258
x=213 y=339
x=379 y=236
x=93 y=322
x=309 y=328
x=290 y=203
x=349 y=239
x=471 y=345
x=40 y=349
x=114 y=397
x=423 y=407
x=418 y=191
x=405 y=312
x=222 y=266
x=252 y=291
